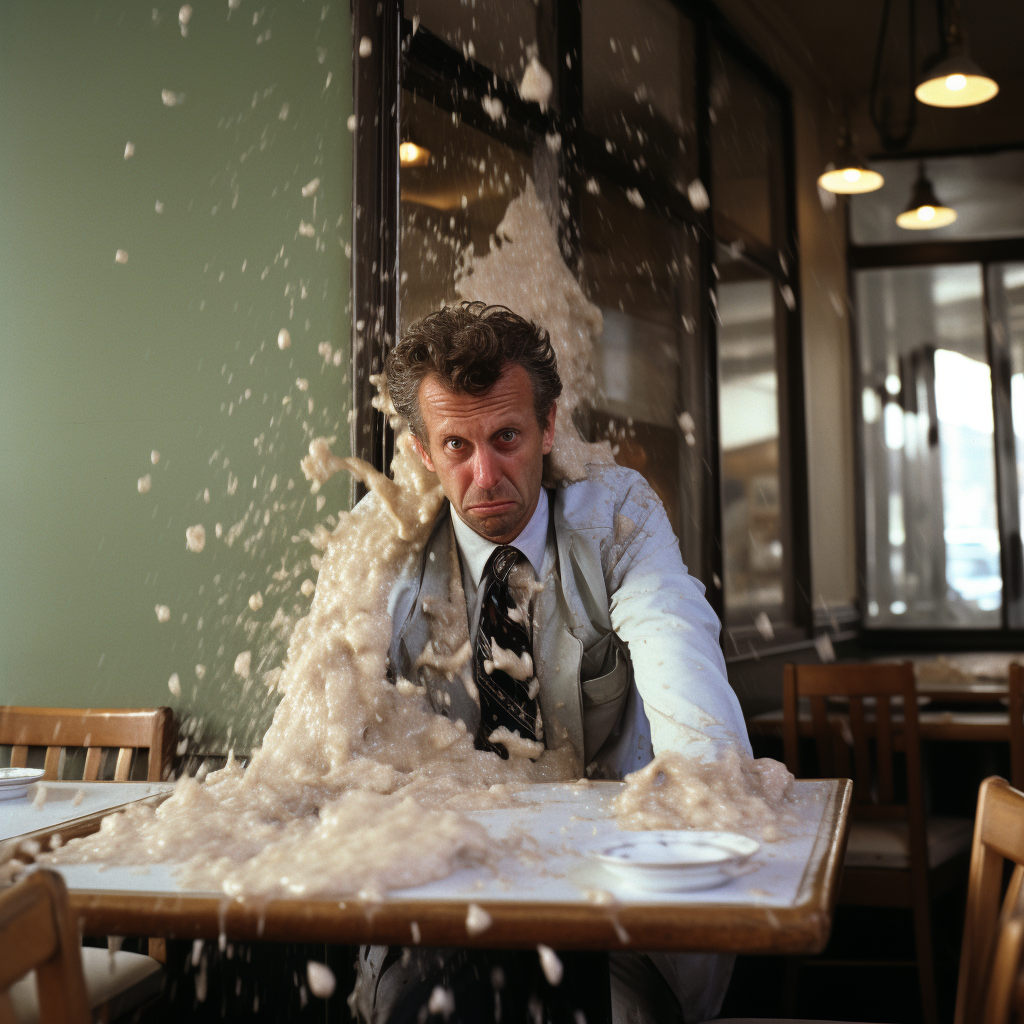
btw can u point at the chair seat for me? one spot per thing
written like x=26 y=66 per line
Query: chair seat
x=124 y=981
x=886 y=844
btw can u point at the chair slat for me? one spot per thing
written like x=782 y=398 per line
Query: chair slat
x=823 y=737
x=883 y=741
x=51 y=765
x=19 y=755
x=1017 y=726
x=124 y=763
x=92 y=764
x=861 y=758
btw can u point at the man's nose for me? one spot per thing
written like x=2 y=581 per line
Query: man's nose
x=486 y=471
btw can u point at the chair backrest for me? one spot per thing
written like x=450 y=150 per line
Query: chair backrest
x=1017 y=725
x=94 y=729
x=998 y=837
x=869 y=691
x=36 y=932
x=1002 y=990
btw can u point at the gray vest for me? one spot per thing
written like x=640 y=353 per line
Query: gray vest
x=587 y=697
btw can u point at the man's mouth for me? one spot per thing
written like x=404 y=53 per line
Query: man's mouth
x=490 y=508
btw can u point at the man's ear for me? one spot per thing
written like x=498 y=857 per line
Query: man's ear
x=549 y=429
x=422 y=452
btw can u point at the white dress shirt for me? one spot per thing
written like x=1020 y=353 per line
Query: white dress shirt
x=475 y=550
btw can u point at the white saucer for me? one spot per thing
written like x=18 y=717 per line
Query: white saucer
x=14 y=782
x=678 y=861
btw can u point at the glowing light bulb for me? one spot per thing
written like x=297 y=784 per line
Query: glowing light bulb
x=926 y=213
x=411 y=155
x=956 y=82
x=851 y=174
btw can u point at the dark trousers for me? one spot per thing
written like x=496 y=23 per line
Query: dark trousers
x=394 y=985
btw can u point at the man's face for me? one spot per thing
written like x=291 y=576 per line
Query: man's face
x=487 y=450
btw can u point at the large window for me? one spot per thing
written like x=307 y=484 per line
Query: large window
x=660 y=158
x=940 y=367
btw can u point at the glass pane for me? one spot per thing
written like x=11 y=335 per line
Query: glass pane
x=454 y=198
x=638 y=84
x=500 y=34
x=746 y=152
x=753 y=545
x=641 y=271
x=933 y=553
x=987 y=193
x=1006 y=309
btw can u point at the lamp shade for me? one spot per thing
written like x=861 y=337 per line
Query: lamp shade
x=849 y=175
x=924 y=212
x=955 y=80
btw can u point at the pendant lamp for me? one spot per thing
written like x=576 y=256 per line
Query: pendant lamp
x=849 y=175
x=953 y=79
x=924 y=212
x=411 y=155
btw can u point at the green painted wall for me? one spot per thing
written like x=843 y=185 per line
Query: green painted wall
x=175 y=350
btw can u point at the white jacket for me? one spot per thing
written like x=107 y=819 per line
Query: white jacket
x=625 y=643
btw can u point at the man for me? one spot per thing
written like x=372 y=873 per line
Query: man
x=617 y=654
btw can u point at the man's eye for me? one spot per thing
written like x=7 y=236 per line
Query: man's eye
x=508 y=435
x=454 y=444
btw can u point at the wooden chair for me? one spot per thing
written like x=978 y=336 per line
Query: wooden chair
x=37 y=933
x=1017 y=725
x=895 y=857
x=127 y=730
x=990 y=988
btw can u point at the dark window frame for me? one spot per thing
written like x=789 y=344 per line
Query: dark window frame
x=983 y=253
x=433 y=69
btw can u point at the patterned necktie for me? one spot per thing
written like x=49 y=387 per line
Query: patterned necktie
x=503 y=658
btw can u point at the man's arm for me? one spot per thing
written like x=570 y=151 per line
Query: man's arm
x=660 y=610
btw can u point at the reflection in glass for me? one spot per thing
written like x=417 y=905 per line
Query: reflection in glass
x=456 y=199
x=748 y=402
x=746 y=152
x=641 y=271
x=500 y=34
x=638 y=84
x=933 y=551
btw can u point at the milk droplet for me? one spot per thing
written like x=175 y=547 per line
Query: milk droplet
x=121 y=256
x=284 y=339
x=306 y=230
x=282 y=114
x=633 y=195
x=154 y=456
x=493 y=107
x=307 y=587
x=365 y=46
x=301 y=383
x=242 y=664
x=171 y=99
x=698 y=195
x=163 y=613
x=321 y=979
x=442 y=1001
x=145 y=482
x=764 y=626
x=200 y=672
x=159 y=207
x=233 y=5
x=185 y=15
x=536 y=84
x=174 y=684
x=351 y=122
x=256 y=601
x=550 y=964
x=129 y=150
x=195 y=538
x=477 y=920
x=310 y=188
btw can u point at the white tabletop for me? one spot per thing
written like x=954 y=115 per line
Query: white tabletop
x=569 y=824
x=58 y=806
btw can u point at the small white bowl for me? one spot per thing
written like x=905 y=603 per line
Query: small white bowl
x=14 y=782
x=678 y=861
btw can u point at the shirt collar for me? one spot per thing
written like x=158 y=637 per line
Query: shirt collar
x=531 y=541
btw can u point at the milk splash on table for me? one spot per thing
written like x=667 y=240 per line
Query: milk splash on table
x=358 y=786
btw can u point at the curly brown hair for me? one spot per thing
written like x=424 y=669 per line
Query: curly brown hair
x=468 y=346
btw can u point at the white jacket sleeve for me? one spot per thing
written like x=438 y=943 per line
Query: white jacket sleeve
x=660 y=611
